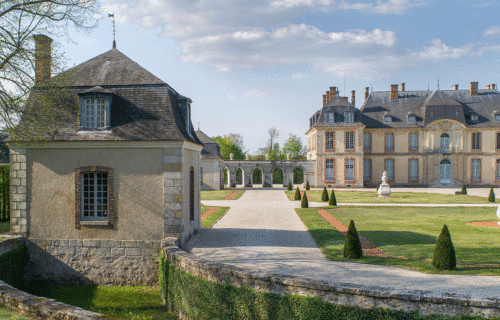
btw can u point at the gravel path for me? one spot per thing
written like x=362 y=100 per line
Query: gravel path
x=261 y=231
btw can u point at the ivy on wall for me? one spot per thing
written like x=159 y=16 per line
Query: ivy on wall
x=4 y=193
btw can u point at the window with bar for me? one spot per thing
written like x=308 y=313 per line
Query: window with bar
x=476 y=141
x=330 y=141
x=498 y=141
x=413 y=141
x=389 y=142
x=349 y=116
x=367 y=169
x=498 y=169
x=330 y=117
x=389 y=168
x=95 y=196
x=475 y=174
x=95 y=113
x=413 y=170
x=349 y=169
x=349 y=140
x=367 y=142
x=329 y=170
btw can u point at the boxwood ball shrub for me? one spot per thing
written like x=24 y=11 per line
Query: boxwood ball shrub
x=324 y=195
x=304 y=203
x=444 y=253
x=297 y=194
x=289 y=188
x=464 y=190
x=333 y=200
x=491 y=197
x=352 y=245
x=307 y=185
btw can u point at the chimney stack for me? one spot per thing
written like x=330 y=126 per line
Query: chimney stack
x=454 y=87
x=367 y=92
x=333 y=92
x=402 y=87
x=328 y=96
x=43 y=58
x=473 y=88
x=324 y=100
x=353 y=97
x=493 y=86
x=488 y=86
x=394 y=91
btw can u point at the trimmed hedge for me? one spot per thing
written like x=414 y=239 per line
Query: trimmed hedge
x=297 y=194
x=444 y=254
x=201 y=299
x=304 y=203
x=464 y=189
x=4 y=193
x=307 y=185
x=491 y=196
x=333 y=199
x=12 y=265
x=324 y=195
x=289 y=187
x=352 y=245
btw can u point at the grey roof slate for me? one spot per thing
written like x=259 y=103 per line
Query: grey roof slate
x=338 y=105
x=211 y=150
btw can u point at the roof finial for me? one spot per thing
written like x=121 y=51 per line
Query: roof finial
x=428 y=88
x=438 y=83
x=112 y=15
x=198 y=126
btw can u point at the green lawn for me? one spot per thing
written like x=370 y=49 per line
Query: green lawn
x=136 y=303
x=214 y=217
x=6 y=313
x=396 y=197
x=4 y=226
x=412 y=233
x=221 y=194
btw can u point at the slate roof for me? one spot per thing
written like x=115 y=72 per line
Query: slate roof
x=142 y=106
x=427 y=106
x=338 y=105
x=211 y=150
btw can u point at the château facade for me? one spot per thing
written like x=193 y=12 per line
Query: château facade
x=420 y=138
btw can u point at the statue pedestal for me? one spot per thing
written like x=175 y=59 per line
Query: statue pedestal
x=384 y=191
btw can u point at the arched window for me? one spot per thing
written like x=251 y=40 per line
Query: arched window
x=191 y=193
x=445 y=143
x=445 y=171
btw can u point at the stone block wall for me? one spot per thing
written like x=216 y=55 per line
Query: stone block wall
x=18 y=215
x=90 y=261
x=172 y=192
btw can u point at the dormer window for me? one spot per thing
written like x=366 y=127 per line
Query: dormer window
x=497 y=116
x=474 y=117
x=349 y=116
x=387 y=119
x=95 y=110
x=330 y=117
x=412 y=118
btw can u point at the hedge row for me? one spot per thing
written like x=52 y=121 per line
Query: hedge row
x=198 y=298
x=4 y=193
x=12 y=265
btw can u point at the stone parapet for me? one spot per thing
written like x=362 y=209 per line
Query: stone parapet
x=424 y=302
x=18 y=215
x=93 y=261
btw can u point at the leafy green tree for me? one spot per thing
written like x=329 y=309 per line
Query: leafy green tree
x=277 y=176
x=257 y=176
x=298 y=176
x=297 y=194
x=324 y=195
x=304 y=203
x=491 y=196
x=333 y=200
x=293 y=145
x=352 y=245
x=227 y=146
x=444 y=253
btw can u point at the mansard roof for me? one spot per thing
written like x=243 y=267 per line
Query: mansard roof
x=211 y=150
x=142 y=107
x=339 y=106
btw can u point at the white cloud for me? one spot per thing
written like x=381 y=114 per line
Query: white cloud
x=440 y=51
x=254 y=93
x=485 y=4
x=493 y=30
x=388 y=7
x=298 y=76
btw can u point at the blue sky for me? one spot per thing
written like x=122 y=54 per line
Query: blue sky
x=252 y=65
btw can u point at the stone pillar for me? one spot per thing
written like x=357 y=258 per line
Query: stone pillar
x=18 y=214
x=247 y=181
x=172 y=192
x=267 y=179
x=231 y=178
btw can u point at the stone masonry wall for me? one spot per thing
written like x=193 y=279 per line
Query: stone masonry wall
x=172 y=192
x=425 y=302
x=102 y=262
x=18 y=216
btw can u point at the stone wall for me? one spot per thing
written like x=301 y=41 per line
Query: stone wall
x=425 y=302
x=18 y=216
x=90 y=261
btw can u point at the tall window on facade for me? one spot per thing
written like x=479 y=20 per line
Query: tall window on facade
x=191 y=193
x=330 y=118
x=330 y=141
x=94 y=196
x=94 y=113
x=413 y=141
x=389 y=168
x=413 y=170
x=329 y=170
x=475 y=172
x=389 y=142
x=201 y=176
x=367 y=169
x=498 y=169
x=498 y=141
x=349 y=169
x=476 y=141
x=367 y=141
x=445 y=143
x=349 y=140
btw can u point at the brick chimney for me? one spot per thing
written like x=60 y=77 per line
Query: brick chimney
x=473 y=88
x=402 y=87
x=454 y=87
x=324 y=100
x=488 y=86
x=333 y=92
x=394 y=91
x=328 y=96
x=353 y=97
x=493 y=86
x=43 y=58
x=367 y=92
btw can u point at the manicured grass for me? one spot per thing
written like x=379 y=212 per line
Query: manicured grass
x=214 y=217
x=6 y=313
x=118 y=302
x=4 y=227
x=396 y=197
x=411 y=232
x=221 y=194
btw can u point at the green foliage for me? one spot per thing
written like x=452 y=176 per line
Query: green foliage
x=444 y=253
x=298 y=176
x=464 y=190
x=333 y=199
x=491 y=196
x=307 y=186
x=294 y=146
x=378 y=185
x=324 y=195
x=4 y=193
x=257 y=176
x=12 y=265
x=352 y=245
x=297 y=194
x=304 y=203
x=209 y=221
x=289 y=188
x=277 y=176
x=239 y=176
x=227 y=146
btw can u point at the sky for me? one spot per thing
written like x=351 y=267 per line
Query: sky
x=252 y=65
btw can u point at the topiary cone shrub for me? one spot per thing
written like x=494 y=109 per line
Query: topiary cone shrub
x=444 y=253
x=304 y=203
x=491 y=197
x=352 y=245
x=464 y=190
x=324 y=195
x=307 y=185
x=333 y=200
x=289 y=188
x=297 y=194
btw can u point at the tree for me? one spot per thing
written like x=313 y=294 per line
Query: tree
x=237 y=139
x=304 y=203
x=491 y=196
x=333 y=199
x=273 y=136
x=293 y=146
x=444 y=253
x=227 y=146
x=324 y=195
x=20 y=20
x=352 y=245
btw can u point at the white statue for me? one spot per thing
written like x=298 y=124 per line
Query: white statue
x=288 y=156
x=267 y=156
x=498 y=214
x=231 y=156
x=384 y=190
x=247 y=156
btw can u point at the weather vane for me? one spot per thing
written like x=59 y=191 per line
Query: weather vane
x=112 y=15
